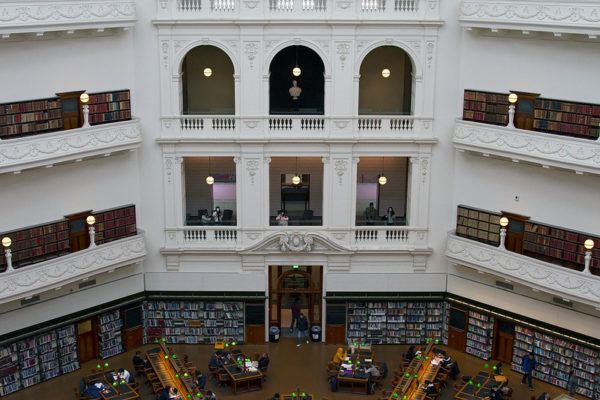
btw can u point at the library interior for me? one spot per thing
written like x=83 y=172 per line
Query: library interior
x=300 y=199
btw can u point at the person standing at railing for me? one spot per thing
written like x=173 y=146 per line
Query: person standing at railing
x=217 y=216
x=389 y=216
x=371 y=214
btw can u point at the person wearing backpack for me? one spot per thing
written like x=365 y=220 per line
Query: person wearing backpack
x=302 y=329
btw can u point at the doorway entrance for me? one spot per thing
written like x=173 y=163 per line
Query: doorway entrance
x=289 y=284
x=504 y=337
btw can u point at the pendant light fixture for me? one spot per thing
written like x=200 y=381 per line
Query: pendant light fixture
x=382 y=179
x=296 y=71
x=209 y=179
x=296 y=179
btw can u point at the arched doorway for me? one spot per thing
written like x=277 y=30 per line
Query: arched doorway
x=386 y=82
x=288 y=283
x=297 y=82
x=207 y=83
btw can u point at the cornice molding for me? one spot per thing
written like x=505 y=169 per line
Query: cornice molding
x=36 y=278
x=545 y=149
x=553 y=278
x=71 y=145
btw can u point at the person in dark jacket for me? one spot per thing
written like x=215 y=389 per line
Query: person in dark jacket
x=528 y=365
x=302 y=329
x=572 y=383
x=164 y=395
x=263 y=361
x=200 y=379
x=410 y=354
x=496 y=393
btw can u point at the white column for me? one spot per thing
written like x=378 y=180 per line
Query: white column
x=341 y=186
x=173 y=195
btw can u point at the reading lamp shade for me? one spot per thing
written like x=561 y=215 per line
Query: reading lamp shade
x=588 y=244
x=512 y=98
x=90 y=220
x=84 y=98
x=503 y=222
x=6 y=242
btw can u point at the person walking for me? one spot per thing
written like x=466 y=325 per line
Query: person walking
x=302 y=329
x=528 y=365
x=572 y=383
x=296 y=310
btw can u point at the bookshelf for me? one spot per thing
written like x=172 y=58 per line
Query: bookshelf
x=30 y=117
x=479 y=335
x=110 y=332
x=38 y=243
x=446 y=323
x=376 y=322
x=555 y=357
x=67 y=345
x=415 y=322
x=193 y=322
x=480 y=225
x=48 y=355
x=567 y=118
x=396 y=322
x=109 y=107
x=434 y=320
x=115 y=223
x=9 y=370
x=486 y=107
x=357 y=321
x=558 y=245
x=28 y=362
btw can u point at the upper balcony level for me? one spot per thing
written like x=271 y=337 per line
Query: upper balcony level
x=550 y=258
x=43 y=257
x=546 y=132
x=298 y=11
x=556 y=18
x=44 y=16
x=46 y=132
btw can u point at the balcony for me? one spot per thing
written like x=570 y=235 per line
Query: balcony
x=182 y=11
x=36 y=278
x=288 y=127
x=557 y=17
x=39 y=17
x=296 y=238
x=48 y=149
x=529 y=271
x=547 y=150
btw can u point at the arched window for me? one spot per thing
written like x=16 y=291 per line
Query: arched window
x=385 y=82
x=297 y=82
x=208 y=85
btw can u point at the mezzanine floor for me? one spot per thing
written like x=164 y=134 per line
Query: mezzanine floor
x=290 y=368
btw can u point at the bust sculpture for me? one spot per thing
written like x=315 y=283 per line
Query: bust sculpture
x=295 y=90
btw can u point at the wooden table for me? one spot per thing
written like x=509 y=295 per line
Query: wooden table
x=290 y=397
x=252 y=380
x=354 y=378
x=120 y=391
x=479 y=388
x=168 y=368
x=409 y=385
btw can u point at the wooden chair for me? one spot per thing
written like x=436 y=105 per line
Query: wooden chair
x=223 y=378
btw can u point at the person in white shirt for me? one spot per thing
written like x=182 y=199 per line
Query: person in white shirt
x=123 y=374
x=373 y=371
x=282 y=218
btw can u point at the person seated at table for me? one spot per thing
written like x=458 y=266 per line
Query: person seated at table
x=138 y=360
x=83 y=385
x=210 y=395
x=174 y=394
x=496 y=393
x=214 y=361
x=410 y=354
x=429 y=388
x=372 y=371
x=94 y=391
x=164 y=394
x=454 y=370
x=263 y=362
x=199 y=380
x=544 y=396
x=123 y=374
x=446 y=361
x=339 y=356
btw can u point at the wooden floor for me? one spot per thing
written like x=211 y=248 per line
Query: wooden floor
x=291 y=368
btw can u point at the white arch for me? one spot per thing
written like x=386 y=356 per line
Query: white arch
x=295 y=42
x=414 y=57
x=187 y=48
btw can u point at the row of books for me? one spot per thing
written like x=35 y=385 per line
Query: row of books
x=110 y=327
x=30 y=117
x=570 y=107
x=479 y=335
x=485 y=107
x=480 y=116
x=31 y=127
x=120 y=95
x=110 y=117
x=566 y=128
x=28 y=106
x=580 y=119
x=106 y=107
x=499 y=98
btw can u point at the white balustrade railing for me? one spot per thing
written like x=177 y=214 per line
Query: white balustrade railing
x=211 y=234
x=391 y=10
x=288 y=126
x=389 y=237
x=382 y=234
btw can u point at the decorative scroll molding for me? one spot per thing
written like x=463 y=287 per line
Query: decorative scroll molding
x=36 y=278
x=340 y=166
x=296 y=242
x=554 y=278
x=75 y=144
x=560 y=16
x=252 y=167
x=23 y=17
x=546 y=149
